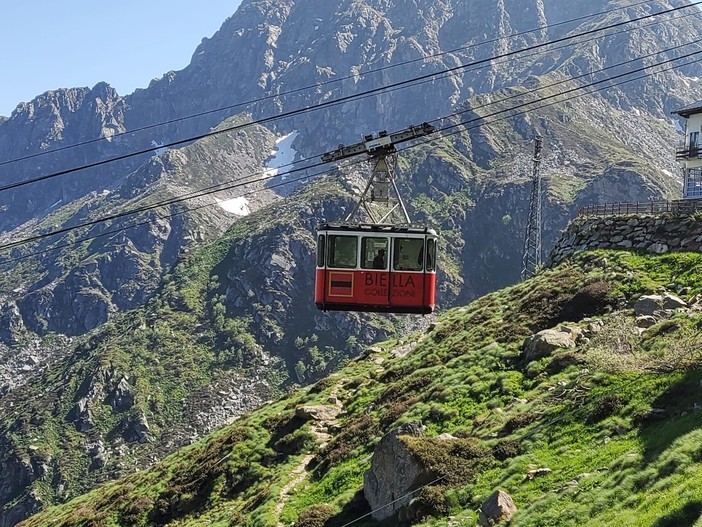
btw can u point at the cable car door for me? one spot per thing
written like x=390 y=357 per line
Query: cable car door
x=375 y=273
x=407 y=272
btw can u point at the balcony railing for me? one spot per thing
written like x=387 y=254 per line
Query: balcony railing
x=679 y=207
x=688 y=152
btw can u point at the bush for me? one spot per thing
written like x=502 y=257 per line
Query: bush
x=406 y=387
x=295 y=443
x=395 y=410
x=564 y=360
x=605 y=407
x=439 y=414
x=432 y=501
x=135 y=513
x=518 y=422
x=315 y=516
x=564 y=298
x=506 y=449
x=593 y=299
x=322 y=385
x=281 y=425
x=359 y=431
x=456 y=461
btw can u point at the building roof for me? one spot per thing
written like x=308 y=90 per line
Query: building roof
x=693 y=108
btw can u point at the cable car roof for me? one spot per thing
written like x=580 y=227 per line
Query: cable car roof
x=377 y=227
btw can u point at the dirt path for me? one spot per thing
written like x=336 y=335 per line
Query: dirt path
x=299 y=473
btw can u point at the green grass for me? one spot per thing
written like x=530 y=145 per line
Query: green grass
x=613 y=458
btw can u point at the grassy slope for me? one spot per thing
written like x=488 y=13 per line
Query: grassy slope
x=165 y=350
x=586 y=414
x=177 y=353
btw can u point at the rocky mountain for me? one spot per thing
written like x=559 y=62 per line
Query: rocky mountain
x=125 y=340
x=562 y=400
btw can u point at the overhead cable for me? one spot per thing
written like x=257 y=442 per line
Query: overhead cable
x=334 y=102
x=322 y=84
x=462 y=125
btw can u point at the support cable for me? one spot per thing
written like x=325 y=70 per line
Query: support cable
x=335 y=102
x=322 y=84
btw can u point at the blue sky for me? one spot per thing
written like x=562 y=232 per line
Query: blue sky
x=45 y=44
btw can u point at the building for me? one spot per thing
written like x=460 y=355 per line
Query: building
x=689 y=153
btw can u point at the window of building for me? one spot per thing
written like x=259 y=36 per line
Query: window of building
x=693 y=183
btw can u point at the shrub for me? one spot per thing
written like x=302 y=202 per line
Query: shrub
x=360 y=430
x=506 y=449
x=542 y=307
x=432 y=501
x=456 y=461
x=616 y=347
x=135 y=512
x=406 y=387
x=518 y=422
x=564 y=360
x=295 y=443
x=593 y=299
x=86 y=517
x=315 y=516
x=605 y=407
x=395 y=410
x=281 y=425
x=439 y=414
x=322 y=385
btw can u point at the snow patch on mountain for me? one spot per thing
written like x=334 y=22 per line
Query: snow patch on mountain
x=239 y=206
x=283 y=156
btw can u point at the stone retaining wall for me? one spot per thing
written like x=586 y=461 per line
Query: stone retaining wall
x=654 y=234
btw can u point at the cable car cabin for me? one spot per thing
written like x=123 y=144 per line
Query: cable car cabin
x=378 y=268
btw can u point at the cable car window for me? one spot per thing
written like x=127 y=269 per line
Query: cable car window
x=342 y=251
x=374 y=253
x=431 y=254
x=407 y=254
x=320 y=250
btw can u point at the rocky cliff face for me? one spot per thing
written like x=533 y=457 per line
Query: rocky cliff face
x=271 y=47
x=70 y=288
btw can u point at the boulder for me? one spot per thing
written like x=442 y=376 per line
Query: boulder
x=545 y=342
x=82 y=415
x=98 y=454
x=673 y=302
x=648 y=304
x=576 y=333
x=534 y=473
x=135 y=429
x=497 y=508
x=317 y=413
x=658 y=248
x=11 y=324
x=121 y=398
x=645 y=321
x=394 y=473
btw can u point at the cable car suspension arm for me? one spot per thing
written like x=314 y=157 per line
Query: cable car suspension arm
x=381 y=150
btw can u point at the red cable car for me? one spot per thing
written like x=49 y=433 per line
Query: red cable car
x=377 y=268
x=381 y=266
